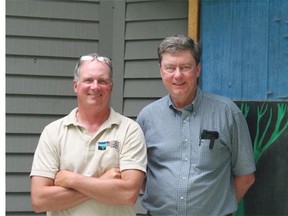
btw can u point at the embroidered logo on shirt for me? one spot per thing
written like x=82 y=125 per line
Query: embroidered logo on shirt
x=104 y=144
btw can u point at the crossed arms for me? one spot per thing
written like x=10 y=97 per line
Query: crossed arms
x=69 y=189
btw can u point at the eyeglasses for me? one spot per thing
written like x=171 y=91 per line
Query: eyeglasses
x=172 y=69
x=94 y=56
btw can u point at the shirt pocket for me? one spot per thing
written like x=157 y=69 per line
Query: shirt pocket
x=210 y=158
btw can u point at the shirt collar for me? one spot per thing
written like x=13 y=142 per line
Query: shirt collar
x=191 y=107
x=113 y=118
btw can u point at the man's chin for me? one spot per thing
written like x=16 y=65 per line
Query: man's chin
x=178 y=93
x=94 y=102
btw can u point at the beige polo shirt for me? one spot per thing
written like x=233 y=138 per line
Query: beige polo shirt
x=64 y=144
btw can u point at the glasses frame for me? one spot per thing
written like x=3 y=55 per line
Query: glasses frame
x=103 y=59
x=170 y=69
x=91 y=57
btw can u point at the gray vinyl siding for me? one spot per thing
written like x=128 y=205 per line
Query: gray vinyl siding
x=44 y=40
x=147 y=23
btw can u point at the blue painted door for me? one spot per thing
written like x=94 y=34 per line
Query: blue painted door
x=245 y=48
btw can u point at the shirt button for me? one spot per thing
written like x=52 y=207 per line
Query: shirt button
x=185 y=120
x=182 y=198
x=184 y=178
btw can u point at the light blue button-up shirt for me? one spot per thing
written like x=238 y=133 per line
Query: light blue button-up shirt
x=185 y=176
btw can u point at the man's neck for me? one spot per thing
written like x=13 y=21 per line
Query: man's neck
x=92 y=120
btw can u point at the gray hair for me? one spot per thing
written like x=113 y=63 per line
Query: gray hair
x=91 y=57
x=177 y=43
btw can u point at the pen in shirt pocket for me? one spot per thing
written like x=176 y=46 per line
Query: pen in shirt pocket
x=210 y=135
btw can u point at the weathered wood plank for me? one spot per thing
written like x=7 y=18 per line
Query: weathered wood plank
x=236 y=66
x=278 y=51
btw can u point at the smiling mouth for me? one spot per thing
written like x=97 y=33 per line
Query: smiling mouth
x=178 y=84
x=95 y=95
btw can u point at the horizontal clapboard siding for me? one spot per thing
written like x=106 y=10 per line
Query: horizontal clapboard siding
x=49 y=47
x=39 y=66
x=145 y=88
x=66 y=10
x=42 y=105
x=27 y=85
x=23 y=204
x=24 y=143
x=44 y=28
x=147 y=23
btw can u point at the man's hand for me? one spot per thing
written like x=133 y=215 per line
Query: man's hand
x=63 y=178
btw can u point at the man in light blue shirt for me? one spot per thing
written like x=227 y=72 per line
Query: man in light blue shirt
x=200 y=157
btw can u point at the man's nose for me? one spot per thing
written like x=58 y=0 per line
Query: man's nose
x=95 y=84
x=178 y=72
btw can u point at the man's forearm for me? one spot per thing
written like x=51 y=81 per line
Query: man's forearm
x=54 y=198
x=242 y=184
x=109 y=191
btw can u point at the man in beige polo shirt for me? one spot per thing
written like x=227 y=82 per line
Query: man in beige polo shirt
x=92 y=161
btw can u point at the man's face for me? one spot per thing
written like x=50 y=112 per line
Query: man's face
x=179 y=74
x=94 y=87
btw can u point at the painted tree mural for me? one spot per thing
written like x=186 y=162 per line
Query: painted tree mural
x=268 y=125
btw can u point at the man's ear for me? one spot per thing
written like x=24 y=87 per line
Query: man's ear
x=160 y=70
x=198 y=70
x=75 y=86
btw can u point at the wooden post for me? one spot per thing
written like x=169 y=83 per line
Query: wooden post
x=193 y=19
